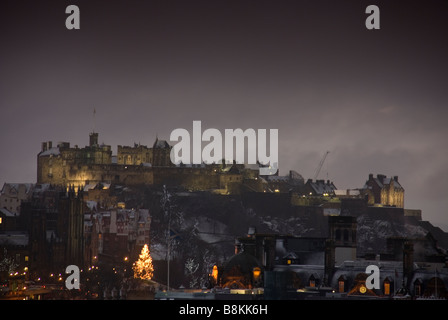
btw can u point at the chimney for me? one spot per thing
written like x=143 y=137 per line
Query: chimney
x=396 y=178
x=370 y=176
x=408 y=259
x=329 y=262
x=44 y=146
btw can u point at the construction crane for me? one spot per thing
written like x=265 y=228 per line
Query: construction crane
x=321 y=163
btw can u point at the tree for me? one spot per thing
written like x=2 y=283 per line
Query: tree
x=191 y=266
x=7 y=264
x=143 y=267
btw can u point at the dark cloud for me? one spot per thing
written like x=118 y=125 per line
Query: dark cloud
x=375 y=99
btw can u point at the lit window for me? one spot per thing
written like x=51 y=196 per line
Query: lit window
x=215 y=273
x=341 y=284
x=386 y=288
x=312 y=281
x=256 y=272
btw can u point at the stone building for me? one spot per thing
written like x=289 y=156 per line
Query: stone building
x=285 y=184
x=12 y=195
x=64 y=165
x=316 y=268
x=318 y=188
x=160 y=154
x=54 y=222
x=384 y=191
x=136 y=155
x=115 y=235
x=157 y=156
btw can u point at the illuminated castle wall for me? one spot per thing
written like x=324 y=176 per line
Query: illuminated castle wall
x=384 y=191
x=137 y=165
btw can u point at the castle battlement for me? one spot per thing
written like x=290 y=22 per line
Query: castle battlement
x=136 y=165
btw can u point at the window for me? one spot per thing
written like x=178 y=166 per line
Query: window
x=215 y=273
x=341 y=286
x=418 y=287
x=418 y=290
x=345 y=235
x=312 y=282
x=386 y=288
x=256 y=273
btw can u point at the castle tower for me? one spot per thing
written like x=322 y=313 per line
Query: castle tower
x=93 y=139
x=71 y=225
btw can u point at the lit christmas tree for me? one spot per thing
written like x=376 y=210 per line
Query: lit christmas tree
x=143 y=268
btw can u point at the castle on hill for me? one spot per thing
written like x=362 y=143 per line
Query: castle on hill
x=142 y=165
x=137 y=165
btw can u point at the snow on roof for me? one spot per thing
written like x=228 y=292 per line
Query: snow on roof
x=387 y=181
x=278 y=178
x=92 y=205
x=332 y=212
x=347 y=192
x=190 y=165
x=320 y=187
x=161 y=144
x=106 y=185
x=89 y=186
x=17 y=238
x=6 y=212
x=378 y=182
x=16 y=186
x=40 y=187
x=52 y=151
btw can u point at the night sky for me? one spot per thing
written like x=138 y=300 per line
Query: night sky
x=376 y=99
